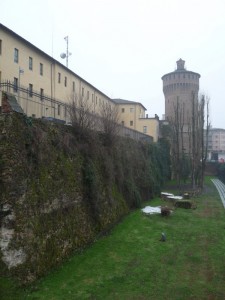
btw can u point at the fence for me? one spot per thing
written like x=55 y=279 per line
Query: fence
x=38 y=105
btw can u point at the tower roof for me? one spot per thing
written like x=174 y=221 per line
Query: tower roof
x=181 y=68
x=180 y=65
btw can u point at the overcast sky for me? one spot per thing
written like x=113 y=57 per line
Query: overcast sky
x=124 y=47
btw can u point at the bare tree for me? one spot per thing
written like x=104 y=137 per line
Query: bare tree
x=189 y=140
x=177 y=141
x=109 y=116
x=204 y=125
x=81 y=115
x=194 y=149
x=198 y=139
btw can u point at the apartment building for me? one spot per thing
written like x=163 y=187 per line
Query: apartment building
x=44 y=87
x=216 y=144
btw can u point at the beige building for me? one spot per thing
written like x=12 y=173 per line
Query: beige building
x=50 y=84
x=44 y=87
x=132 y=115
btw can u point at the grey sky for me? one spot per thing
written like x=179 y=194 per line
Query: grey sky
x=123 y=47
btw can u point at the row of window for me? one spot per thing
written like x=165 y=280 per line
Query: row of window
x=131 y=110
x=131 y=123
x=30 y=89
x=41 y=71
x=82 y=90
x=216 y=147
x=145 y=128
x=30 y=93
x=189 y=76
x=65 y=81
x=30 y=62
x=174 y=86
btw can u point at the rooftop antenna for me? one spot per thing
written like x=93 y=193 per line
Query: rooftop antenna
x=67 y=54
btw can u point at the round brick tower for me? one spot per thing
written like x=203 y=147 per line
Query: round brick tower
x=180 y=87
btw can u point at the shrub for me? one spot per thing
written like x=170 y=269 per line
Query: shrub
x=165 y=211
x=183 y=204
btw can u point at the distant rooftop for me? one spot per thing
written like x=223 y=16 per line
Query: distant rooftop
x=122 y=101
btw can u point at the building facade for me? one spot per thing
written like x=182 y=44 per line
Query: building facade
x=27 y=67
x=132 y=115
x=216 y=144
x=44 y=87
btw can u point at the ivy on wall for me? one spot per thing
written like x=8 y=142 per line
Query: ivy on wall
x=63 y=192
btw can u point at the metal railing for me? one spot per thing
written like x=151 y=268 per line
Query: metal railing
x=36 y=104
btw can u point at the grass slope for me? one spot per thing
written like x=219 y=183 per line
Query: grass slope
x=131 y=262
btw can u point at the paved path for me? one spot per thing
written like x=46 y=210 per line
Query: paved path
x=221 y=189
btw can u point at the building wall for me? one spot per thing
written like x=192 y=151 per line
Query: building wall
x=10 y=69
x=180 y=87
x=149 y=126
x=133 y=116
x=130 y=113
x=216 y=140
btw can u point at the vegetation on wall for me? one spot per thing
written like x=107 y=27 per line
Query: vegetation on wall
x=60 y=192
x=221 y=171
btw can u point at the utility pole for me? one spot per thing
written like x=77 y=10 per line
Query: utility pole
x=21 y=71
x=67 y=54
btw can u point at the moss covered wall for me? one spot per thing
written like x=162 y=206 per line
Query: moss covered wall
x=58 y=192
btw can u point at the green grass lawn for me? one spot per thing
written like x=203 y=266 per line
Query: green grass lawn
x=131 y=262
